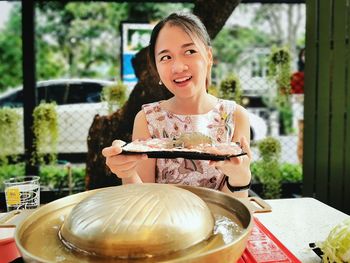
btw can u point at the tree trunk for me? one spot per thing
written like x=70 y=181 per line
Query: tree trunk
x=118 y=125
x=214 y=14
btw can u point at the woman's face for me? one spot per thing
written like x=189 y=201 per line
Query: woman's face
x=182 y=62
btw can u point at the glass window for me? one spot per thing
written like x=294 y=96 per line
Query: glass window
x=84 y=93
x=13 y=100
x=53 y=93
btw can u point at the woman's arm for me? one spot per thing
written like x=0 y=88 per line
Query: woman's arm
x=238 y=169
x=145 y=169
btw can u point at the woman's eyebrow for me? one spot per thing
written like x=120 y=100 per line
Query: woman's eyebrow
x=187 y=45
x=183 y=46
x=163 y=51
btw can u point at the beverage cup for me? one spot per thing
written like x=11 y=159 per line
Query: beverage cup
x=22 y=192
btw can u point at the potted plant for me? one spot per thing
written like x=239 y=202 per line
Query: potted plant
x=271 y=178
x=280 y=69
x=45 y=128
x=291 y=179
x=279 y=75
x=9 y=133
x=268 y=172
x=114 y=95
x=231 y=89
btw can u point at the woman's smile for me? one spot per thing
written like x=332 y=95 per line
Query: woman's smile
x=183 y=81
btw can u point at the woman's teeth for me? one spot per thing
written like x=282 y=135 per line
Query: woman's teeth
x=182 y=79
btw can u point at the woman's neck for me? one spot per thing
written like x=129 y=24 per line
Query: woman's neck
x=191 y=106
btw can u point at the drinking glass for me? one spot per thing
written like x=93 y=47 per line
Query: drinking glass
x=22 y=192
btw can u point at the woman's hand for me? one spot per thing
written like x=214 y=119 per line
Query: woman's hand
x=124 y=166
x=237 y=168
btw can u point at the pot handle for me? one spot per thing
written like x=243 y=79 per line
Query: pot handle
x=256 y=204
x=13 y=218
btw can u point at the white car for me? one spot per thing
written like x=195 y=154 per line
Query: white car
x=258 y=127
x=78 y=101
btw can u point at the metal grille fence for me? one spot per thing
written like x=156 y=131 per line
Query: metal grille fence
x=259 y=98
x=282 y=124
x=76 y=101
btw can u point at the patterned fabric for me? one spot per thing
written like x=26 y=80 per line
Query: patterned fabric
x=217 y=123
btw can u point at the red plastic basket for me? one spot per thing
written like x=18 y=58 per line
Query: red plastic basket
x=8 y=250
x=264 y=247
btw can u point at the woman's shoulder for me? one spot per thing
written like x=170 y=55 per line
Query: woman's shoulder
x=153 y=108
x=140 y=129
x=140 y=117
x=241 y=113
x=228 y=105
x=151 y=105
x=233 y=107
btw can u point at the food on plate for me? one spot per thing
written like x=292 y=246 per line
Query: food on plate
x=191 y=140
x=188 y=145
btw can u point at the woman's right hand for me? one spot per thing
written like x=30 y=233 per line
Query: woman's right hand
x=124 y=166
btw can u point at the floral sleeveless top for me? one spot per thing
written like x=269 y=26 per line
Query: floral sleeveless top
x=217 y=123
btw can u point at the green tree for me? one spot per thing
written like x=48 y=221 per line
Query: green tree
x=74 y=39
x=230 y=44
x=11 y=50
x=155 y=11
x=284 y=21
x=83 y=39
x=232 y=41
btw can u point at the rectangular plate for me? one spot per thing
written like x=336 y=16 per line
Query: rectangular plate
x=186 y=154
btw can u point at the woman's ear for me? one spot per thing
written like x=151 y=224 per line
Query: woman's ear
x=210 y=65
x=210 y=56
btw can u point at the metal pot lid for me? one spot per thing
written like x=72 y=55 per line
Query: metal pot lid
x=138 y=220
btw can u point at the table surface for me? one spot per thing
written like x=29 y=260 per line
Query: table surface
x=299 y=221
x=295 y=222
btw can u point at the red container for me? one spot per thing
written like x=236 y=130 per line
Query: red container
x=264 y=247
x=8 y=250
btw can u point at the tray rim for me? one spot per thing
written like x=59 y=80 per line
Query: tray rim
x=184 y=154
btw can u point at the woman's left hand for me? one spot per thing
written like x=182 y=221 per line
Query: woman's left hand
x=237 y=168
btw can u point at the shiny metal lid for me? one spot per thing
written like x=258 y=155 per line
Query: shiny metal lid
x=138 y=220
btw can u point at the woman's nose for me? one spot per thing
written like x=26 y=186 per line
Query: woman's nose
x=179 y=66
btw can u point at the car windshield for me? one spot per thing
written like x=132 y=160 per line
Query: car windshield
x=64 y=93
x=12 y=100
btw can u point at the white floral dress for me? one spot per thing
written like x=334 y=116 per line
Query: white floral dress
x=217 y=123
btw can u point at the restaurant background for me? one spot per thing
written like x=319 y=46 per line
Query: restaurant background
x=71 y=42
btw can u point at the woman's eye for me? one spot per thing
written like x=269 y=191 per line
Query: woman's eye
x=190 y=51
x=164 y=58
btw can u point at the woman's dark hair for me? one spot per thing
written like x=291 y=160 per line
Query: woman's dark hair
x=190 y=23
x=301 y=60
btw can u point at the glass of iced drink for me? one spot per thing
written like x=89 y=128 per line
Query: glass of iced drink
x=22 y=192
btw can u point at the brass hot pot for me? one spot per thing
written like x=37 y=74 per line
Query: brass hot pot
x=115 y=224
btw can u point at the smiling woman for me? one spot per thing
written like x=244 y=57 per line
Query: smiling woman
x=181 y=53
